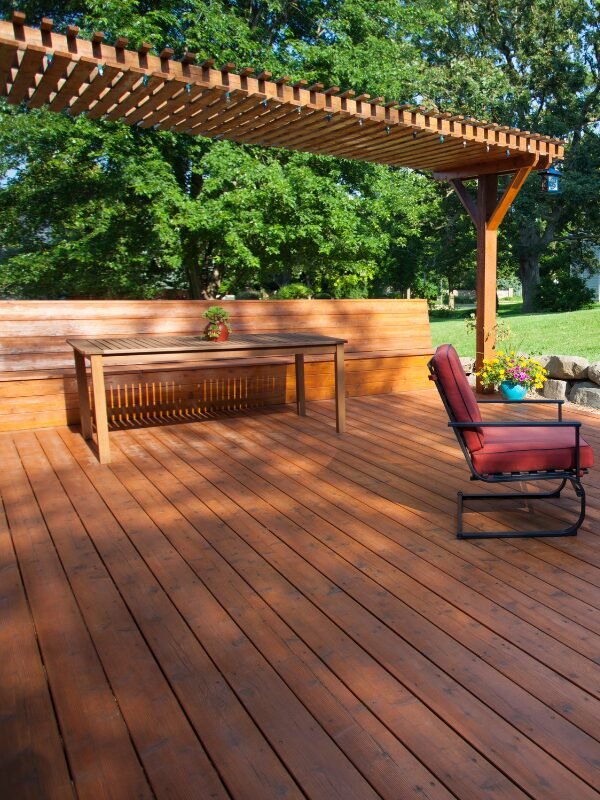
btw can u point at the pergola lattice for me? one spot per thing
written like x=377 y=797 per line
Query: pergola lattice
x=41 y=68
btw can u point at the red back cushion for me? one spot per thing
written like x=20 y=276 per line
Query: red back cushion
x=453 y=383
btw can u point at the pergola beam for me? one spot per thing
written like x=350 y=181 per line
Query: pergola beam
x=444 y=144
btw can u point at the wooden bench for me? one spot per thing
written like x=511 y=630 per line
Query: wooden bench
x=389 y=344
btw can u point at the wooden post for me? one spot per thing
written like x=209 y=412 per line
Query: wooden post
x=487 y=214
x=340 y=390
x=99 y=393
x=84 y=396
x=300 y=386
x=487 y=250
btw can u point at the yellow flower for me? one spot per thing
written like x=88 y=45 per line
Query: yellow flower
x=500 y=352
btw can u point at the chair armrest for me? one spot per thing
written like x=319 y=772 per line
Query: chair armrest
x=525 y=400
x=557 y=424
x=544 y=401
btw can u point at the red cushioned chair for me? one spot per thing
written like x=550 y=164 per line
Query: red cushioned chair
x=503 y=452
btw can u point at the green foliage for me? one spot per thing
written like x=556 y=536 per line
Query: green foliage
x=293 y=291
x=95 y=209
x=563 y=292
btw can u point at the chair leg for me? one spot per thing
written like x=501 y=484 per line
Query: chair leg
x=571 y=530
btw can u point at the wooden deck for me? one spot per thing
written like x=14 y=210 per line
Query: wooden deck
x=249 y=606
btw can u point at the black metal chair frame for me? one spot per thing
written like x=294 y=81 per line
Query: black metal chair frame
x=573 y=476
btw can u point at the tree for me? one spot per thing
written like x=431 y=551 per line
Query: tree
x=534 y=64
x=97 y=208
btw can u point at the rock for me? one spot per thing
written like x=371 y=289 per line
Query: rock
x=567 y=367
x=585 y=393
x=594 y=372
x=468 y=364
x=543 y=360
x=555 y=389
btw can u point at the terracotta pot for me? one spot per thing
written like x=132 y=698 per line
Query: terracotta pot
x=223 y=333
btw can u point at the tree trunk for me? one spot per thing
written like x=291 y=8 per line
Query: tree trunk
x=529 y=273
x=204 y=279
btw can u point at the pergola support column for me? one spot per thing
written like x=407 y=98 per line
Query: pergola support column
x=487 y=213
x=487 y=257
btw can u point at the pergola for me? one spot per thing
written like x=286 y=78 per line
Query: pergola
x=64 y=73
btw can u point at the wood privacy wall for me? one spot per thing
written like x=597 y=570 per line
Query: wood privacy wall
x=389 y=343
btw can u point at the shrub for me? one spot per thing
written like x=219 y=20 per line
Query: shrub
x=354 y=293
x=322 y=296
x=249 y=294
x=562 y=292
x=293 y=291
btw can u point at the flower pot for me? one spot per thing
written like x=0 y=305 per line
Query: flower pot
x=512 y=391
x=223 y=334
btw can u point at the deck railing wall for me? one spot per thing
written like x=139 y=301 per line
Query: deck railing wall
x=389 y=343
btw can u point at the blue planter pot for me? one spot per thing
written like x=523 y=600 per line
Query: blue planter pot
x=512 y=391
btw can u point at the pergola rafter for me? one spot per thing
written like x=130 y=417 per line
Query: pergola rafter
x=39 y=67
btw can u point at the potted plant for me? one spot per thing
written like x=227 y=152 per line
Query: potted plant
x=513 y=372
x=218 y=328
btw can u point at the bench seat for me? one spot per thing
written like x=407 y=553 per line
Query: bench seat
x=39 y=389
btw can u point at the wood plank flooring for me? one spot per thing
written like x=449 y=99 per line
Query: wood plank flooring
x=249 y=606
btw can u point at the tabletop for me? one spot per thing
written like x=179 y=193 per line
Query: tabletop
x=138 y=345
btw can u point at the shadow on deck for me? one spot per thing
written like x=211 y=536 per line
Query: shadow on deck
x=253 y=607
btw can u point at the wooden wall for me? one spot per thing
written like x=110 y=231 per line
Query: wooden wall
x=389 y=343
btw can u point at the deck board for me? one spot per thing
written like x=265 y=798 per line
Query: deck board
x=249 y=606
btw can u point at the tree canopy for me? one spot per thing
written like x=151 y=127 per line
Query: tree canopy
x=98 y=209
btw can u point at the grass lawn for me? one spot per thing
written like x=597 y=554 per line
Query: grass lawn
x=574 y=333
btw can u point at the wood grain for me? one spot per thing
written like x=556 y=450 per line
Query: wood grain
x=294 y=605
x=389 y=343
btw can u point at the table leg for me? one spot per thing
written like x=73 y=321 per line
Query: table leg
x=300 y=386
x=340 y=390
x=84 y=396
x=99 y=394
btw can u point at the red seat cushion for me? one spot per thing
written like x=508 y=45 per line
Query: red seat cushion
x=453 y=383
x=529 y=449
x=496 y=450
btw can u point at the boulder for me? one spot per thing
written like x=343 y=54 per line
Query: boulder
x=567 y=367
x=543 y=360
x=555 y=389
x=585 y=393
x=468 y=364
x=594 y=372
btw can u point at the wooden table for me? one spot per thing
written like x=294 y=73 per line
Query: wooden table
x=238 y=345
